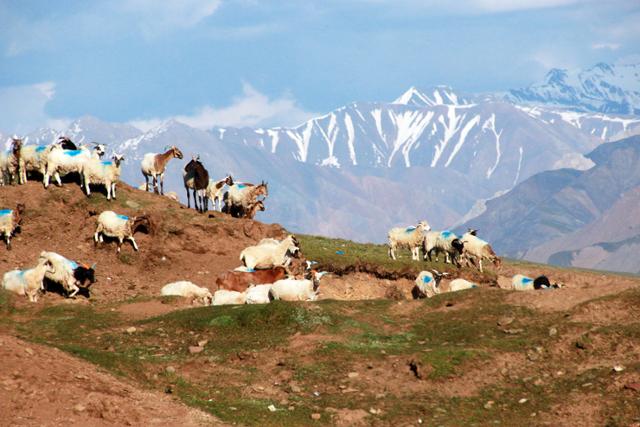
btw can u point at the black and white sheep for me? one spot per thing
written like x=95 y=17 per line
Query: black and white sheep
x=69 y=274
x=436 y=242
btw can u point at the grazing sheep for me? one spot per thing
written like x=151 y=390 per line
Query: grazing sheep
x=154 y=164
x=10 y=220
x=61 y=161
x=476 y=249
x=224 y=297
x=107 y=173
x=241 y=196
x=196 y=177
x=215 y=191
x=407 y=238
x=69 y=274
x=241 y=280
x=268 y=256
x=258 y=294
x=296 y=289
x=27 y=282
x=121 y=227
x=427 y=284
x=188 y=290
x=443 y=241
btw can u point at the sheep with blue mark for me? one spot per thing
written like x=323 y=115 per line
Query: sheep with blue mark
x=10 y=220
x=460 y=285
x=407 y=238
x=35 y=159
x=476 y=250
x=28 y=282
x=121 y=227
x=69 y=274
x=520 y=282
x=427 y=284
x=107 y=173
x=61 y=161
x=436 y=242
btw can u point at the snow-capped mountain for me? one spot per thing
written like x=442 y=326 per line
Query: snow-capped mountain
x=605 y=88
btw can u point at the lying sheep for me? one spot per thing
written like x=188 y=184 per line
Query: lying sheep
x=258 y=294
x=407 y=238
x=476 y=249
x=188 y=290
x=10 y=220
x=69 y=274
x=296 y=289
x=61 y=161
x=241 y=280
x=27 y=282
x=120 y=227
x=436 y=242
x=427 y=284
x=224 y=297
x=107 y=173
x=520 y=282
x=460 y=285
x=270 y=255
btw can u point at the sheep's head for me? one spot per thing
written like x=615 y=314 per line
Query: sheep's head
x=117 y=159
x=228 y=180
x=424 y=226
x=16 y=144
x=457 y=245
x=99 y=149
x=85 y=275
x=472 y=231
x=46 y=262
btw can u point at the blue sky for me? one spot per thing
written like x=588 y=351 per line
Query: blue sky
x=279 y=62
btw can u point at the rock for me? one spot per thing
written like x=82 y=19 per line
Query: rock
x=523 y=400
x=202 y=343
x=131 y=329
x=194 y=349
x=170 y=370
x=532 y=356
x=489 y=404
x=315 y=416
x=295 y=388
x=79 y=408
x=553 y=332
x=375 y=411
x=632 y=386
x=505 y=320
x=513 y=331
x=132 y=204
x=618 y=368
x=353 y=374
x=271 y=408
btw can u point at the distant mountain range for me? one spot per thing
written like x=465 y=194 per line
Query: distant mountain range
x=355 y=172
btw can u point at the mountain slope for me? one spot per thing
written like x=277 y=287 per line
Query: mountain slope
x=570 y=217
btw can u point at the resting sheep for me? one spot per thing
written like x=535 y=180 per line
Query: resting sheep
x=107 y=173
x=443 y=241
x=27 y=282
x=69 y=274
x=120 y=227
x=296 y=289
x=520 y=282
x=407 y=238
x=10 y=220
x=224 y=297
x=460 y=285
x=61 y=161
x=258 y=294
x=188 y=290
x=270 y=255
x=427 y=284
x=241 y=280
x=476 y=249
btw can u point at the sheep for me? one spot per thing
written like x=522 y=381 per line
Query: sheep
x=196 y=177
x=268 y=256
x=225 y=297
x=409 y=238
x=188 y=290
x=10 y=220
x=460 y=285
x=35 y=159
x=28 y=282
x=427 y=284
x=520 y=282
x=215 y=191
x=296 y=289
x=14 y=164
x=258 y=294
x=4 y=168
x=68 y=273
x=443 y=241
x=241 y=280
x=241 y=196
x=121 y=227
x=64 y=161
x=476 y=249
x=107 y=173
x=154 y=164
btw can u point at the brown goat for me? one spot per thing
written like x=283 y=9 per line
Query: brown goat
x=239 y=280
x=196 y=177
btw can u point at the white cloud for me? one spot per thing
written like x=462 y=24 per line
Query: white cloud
x=512 y=5
x=252 y=109
x=23 y=108
x=605 y=45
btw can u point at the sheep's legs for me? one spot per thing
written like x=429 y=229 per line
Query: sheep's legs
x=120 y=241
x=155 y=183
x=113 y=190
x=146 y=181
x=162 y=184
x=133 y=242
x=188 y=200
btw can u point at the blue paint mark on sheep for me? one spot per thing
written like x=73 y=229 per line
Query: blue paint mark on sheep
x=106 y=163
x=124 y=217
x=340 y=252
x=447 y=234
x=526 y=280
x=241 y=186
x=40 y=148
x=72 y=153
x=4 y=212
x=72 y=264
x=427 y=279
x=409 y=229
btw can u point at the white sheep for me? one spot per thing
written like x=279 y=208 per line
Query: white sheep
x=296 y=289
x=427 y=284
x=4 y=168
x=460 y=285
x=61 y=161
x=407 y=238
x=154 y=164
x=34 y=158
x=27 y=282
x=107 y=173
x=188 y=290
x=270 y=255
x=520 y=282
x=225 y=297
x=9 y=221
x=443 y=242
x=215 y=191
x=63 y=271
x=477 y=250
x=258 y=294
x=120 y=227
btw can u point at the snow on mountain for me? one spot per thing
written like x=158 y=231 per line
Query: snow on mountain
x=439 y=95
x=606 y=88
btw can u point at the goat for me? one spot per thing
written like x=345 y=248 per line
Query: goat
x=196 y=177
x=241 y=195
x=240 y=281
x=254 y=208
x=153 y=165
x=215 y=191
x=120 y=227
